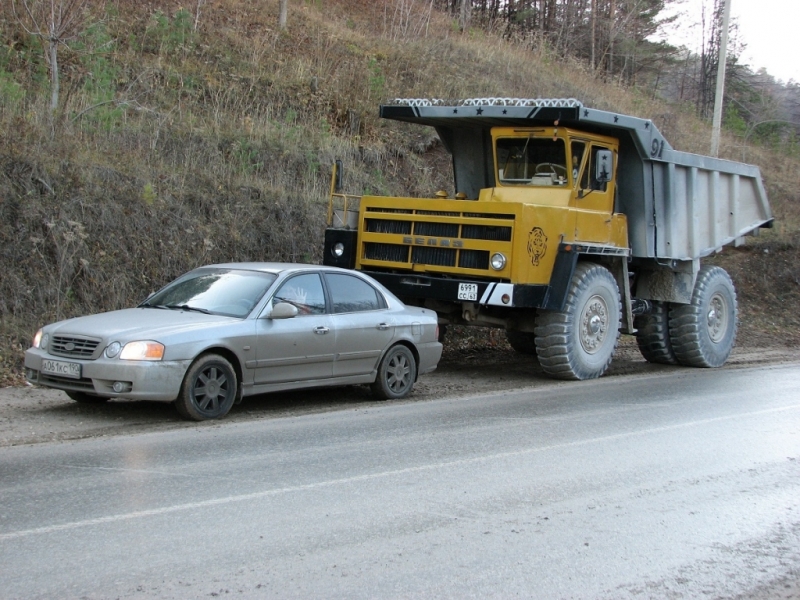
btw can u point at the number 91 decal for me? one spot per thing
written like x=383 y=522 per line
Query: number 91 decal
x=657 y=149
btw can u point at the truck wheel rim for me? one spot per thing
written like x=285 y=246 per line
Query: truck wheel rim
x=594 y=324
x=717 y=318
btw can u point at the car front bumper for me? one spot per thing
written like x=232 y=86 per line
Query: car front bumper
x=138 y=380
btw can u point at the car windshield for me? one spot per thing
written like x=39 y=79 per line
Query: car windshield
x=214 y=291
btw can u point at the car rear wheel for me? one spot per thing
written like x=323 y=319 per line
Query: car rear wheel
x=85 y=398
x=396 y=374
x=209 y=389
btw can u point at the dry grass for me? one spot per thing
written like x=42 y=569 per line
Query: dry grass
x=182 y=147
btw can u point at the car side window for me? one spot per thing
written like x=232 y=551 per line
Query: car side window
x=303 y=291
x=352 y=294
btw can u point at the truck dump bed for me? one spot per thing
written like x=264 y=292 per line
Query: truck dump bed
x=679 y=206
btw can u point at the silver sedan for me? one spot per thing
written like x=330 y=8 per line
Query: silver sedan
x=223 y=332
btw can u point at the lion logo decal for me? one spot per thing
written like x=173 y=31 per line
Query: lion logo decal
x=537 y=245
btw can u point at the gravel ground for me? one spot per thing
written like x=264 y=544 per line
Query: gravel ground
x=31 y=415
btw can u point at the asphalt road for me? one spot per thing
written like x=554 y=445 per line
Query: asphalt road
x=680 y=485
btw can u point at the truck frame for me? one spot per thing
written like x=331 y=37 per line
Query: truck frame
x=567 y=226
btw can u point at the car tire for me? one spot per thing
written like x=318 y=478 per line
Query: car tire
x=84 y=398
x=209 y=389
x=397 y=373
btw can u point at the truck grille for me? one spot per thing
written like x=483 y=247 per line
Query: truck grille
x=474 y=259
x=443 y=257
x=387 y=252
x=448 y=240
x=436 y=229
x=380 y=226
x=485 y=232
x=73 y=347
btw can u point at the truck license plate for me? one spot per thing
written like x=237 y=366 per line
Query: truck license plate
x=468 y=291
x=64 y=369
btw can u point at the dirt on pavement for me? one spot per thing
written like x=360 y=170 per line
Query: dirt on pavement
x=31 y=415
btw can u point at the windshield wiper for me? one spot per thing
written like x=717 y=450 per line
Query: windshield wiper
x=148 y=305
x=187 y=307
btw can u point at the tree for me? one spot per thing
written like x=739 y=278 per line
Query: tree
x=54 y=22
x=283 y=14
x=464 y=14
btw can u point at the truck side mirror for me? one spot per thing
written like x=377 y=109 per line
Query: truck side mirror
x=603 y=167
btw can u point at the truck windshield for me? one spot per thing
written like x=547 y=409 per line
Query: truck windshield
x=531 y=161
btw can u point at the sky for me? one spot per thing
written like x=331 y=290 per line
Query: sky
x=769 y=29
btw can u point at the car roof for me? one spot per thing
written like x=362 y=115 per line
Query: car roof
x=272 y=267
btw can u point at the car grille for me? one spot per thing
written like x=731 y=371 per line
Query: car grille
x=55 y=381
x=72 y=347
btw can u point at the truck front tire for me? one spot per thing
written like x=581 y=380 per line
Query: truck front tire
x=579 y=342
x=703 y=332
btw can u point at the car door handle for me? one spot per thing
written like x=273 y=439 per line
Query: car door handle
x=383 y=326
x=321 y=330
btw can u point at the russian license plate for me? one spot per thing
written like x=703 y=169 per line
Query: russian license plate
x=468 y=291
x=61 y=368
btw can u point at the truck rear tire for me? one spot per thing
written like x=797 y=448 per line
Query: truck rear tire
x=652 y=335
x=579 y=342
x=703 y=332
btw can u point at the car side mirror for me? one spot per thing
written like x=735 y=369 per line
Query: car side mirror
x=283 y=310
x=605 y=162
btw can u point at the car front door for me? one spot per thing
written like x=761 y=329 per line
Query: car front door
x=364 y=327
x=299 y=348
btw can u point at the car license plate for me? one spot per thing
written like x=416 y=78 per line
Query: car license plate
x=64 y=369
x=468 y=291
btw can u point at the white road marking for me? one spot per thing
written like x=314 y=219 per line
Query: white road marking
x=370 y=476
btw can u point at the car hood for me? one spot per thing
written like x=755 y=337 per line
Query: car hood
x=137 y=323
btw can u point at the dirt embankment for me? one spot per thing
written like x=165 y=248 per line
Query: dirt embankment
x=30 y=415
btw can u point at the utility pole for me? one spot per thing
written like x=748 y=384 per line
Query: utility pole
x=723 y=58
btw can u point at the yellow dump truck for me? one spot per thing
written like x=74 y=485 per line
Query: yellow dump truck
x=566 y=227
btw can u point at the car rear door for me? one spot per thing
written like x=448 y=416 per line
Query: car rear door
x=364 y=326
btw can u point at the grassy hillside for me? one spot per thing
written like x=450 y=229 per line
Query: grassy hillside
x=183 y=139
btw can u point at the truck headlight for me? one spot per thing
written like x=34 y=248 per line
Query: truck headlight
x=498 y=261
x=338 y=249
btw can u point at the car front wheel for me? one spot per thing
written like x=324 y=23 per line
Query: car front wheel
x=209 y=389
x=396 y=374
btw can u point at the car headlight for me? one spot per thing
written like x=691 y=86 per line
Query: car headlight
x=40 y=339
x=338 y=249
x=113 y=349
x=142 y=351
x=498 y=261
